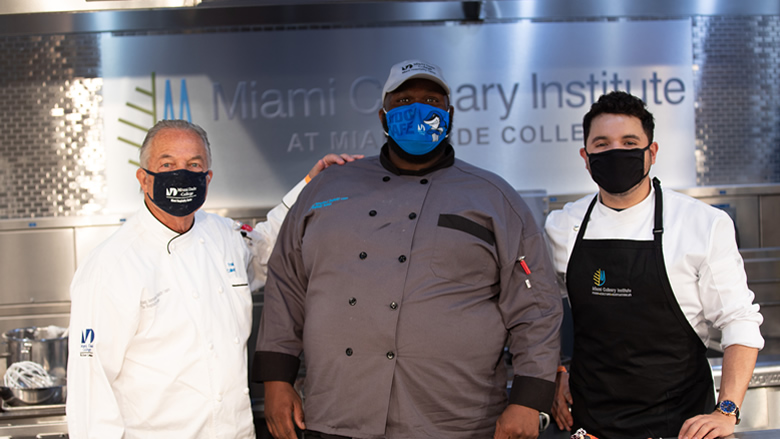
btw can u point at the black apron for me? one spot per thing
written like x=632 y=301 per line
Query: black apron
x=638 y=368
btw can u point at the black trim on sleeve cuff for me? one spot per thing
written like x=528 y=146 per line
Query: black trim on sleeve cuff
x=532 y=392
x=275 y=366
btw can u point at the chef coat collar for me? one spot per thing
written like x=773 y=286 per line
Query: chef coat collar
x=447 y=160
x=162 y=232
x=638 y=207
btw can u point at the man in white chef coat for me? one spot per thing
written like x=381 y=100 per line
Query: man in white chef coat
x=651 y=274
x=162 y=310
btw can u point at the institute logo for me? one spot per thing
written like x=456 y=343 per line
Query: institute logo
x=144 y=114
x=600 y=277
x=87 y=343
x=600 y=287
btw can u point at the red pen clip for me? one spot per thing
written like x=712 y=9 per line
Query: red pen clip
x=524 y=265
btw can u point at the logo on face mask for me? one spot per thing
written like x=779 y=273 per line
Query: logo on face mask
x=171 y=192
x=180 y=192
x=418 y=128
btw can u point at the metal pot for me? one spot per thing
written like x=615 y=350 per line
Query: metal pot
x=45 y=395
x=47 y=346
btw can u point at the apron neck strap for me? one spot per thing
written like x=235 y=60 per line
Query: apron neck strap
x=658 y=230
x=584 y=224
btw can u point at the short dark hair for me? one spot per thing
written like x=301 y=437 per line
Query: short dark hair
x=619 y=102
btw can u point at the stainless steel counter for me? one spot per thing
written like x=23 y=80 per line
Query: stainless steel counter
x=763 y=434
x=554 y=433
x=36 y=427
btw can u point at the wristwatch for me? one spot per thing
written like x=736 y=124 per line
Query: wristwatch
x=728 y=408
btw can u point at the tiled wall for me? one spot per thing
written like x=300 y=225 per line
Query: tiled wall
x=51 y=153
x=737 y=99
x=51 y=160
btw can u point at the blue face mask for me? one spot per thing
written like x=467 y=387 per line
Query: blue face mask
x=417 y=128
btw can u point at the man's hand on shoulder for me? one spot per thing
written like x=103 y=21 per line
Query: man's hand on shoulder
x=711 y=426
x=282 y=406
x=517 y=422
x=331 y=159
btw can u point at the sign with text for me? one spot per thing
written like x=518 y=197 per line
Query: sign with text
x=275 y=102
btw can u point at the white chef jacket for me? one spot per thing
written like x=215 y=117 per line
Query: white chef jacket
x=158 y=331
x=703 y=263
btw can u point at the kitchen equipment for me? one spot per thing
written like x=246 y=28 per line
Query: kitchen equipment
x=27 y=375
x=45 y=395
x=46 y=346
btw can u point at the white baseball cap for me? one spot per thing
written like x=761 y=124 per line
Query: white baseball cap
x=413 y=68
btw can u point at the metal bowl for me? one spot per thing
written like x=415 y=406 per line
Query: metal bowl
x=45 y=395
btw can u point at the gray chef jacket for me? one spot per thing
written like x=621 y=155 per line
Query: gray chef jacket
x=402 y=288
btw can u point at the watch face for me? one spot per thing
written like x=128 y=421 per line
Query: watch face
x=728 y=406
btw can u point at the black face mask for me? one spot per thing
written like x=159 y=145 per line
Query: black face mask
x=180 y=192
x=618 y=170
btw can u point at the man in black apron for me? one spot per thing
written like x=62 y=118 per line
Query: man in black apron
x=638 y=367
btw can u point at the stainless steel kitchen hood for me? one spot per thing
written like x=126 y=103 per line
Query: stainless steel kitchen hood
x=38 y=6
x=31 y=17
x=69 y=16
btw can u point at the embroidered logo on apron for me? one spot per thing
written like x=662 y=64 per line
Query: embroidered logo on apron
x=599 y=288
x=599 y=277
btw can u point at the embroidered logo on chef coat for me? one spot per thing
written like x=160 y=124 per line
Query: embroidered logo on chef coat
x=231 y=267
x=600 y=288
x=87 y=342
x=327 y=203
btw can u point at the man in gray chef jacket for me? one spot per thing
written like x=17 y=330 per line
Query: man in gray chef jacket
x=651 y=275
x=402 y=277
